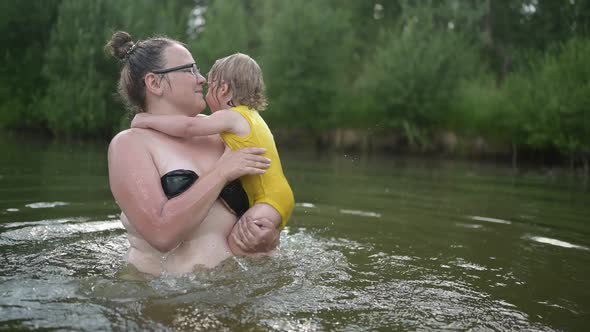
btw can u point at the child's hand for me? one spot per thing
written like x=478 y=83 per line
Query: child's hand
x=139 y=120
x=254 y=237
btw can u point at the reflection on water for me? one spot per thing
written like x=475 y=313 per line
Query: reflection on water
x=378 y=244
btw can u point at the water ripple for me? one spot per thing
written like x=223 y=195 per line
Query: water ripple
x=59 y=229
x=361 y=213
x=305 y=205
x=492 y=220
x=45 y=205
x=312 y=283
x=554 y=242
x=471 y=226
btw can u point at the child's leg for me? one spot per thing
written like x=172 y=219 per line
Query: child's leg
x=256 y=212
x=262 y=210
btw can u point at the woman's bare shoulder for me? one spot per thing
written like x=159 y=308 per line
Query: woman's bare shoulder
x=128 y=138
x=138 y=140
x=128 y=135
x=127 y=143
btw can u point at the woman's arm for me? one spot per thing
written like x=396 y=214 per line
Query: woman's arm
x=188 y=126
x=135 y=184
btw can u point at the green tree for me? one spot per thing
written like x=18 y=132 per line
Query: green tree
x=79 y=97
x=149 y=18
x=562 y=86
x=543 y=106
x=24 y=26
x=512 y=26
x=229 y=27
x=306 y=50
x=414 y=75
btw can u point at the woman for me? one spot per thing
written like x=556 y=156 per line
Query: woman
x=174 y=222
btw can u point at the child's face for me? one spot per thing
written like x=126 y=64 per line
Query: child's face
x=213 y=97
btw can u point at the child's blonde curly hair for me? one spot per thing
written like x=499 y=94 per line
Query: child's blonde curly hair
x=244 y=78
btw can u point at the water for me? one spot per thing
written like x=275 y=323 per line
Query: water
x=375 y=243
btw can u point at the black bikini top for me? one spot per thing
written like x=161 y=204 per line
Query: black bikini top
x=178 y=181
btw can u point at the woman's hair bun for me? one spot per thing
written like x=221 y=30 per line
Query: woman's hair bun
x=120 y=45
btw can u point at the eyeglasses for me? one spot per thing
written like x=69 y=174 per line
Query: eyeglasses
x=188 y=68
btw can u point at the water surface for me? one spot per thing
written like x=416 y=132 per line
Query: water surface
x=375 y=243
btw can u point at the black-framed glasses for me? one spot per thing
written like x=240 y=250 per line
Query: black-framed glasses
x=188 y=68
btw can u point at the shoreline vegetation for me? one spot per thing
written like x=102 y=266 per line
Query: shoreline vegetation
x=486 y=79
x=367 y=142
x=446 y=144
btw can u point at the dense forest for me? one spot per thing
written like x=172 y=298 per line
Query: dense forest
x=510 y=76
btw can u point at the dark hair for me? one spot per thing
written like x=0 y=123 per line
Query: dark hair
x=139 y=58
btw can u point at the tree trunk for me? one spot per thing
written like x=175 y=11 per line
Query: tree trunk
x=514 y=156
x=489 y=26
x=586 y=161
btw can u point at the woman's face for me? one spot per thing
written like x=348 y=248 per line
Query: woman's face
x=184 y=87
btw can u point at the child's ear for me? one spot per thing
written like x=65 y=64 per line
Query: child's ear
x=224 y=89
x=153 y=84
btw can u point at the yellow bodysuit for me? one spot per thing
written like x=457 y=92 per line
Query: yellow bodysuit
x=271 y=187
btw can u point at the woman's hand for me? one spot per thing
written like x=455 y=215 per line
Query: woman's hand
x=249 y=237
x=247 y=161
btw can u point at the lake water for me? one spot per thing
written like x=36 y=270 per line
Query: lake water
x=375 y=243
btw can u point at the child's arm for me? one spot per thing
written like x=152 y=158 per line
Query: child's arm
x=188 y=126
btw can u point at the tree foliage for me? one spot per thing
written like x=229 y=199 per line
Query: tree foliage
x=24 y=37
x=306 y=48
x=513 y=71
x=559 y=85
x=77 y=99
x=229 y=27
x=412 y=78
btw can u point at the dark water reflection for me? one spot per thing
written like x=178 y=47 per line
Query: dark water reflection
x=375 y=244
